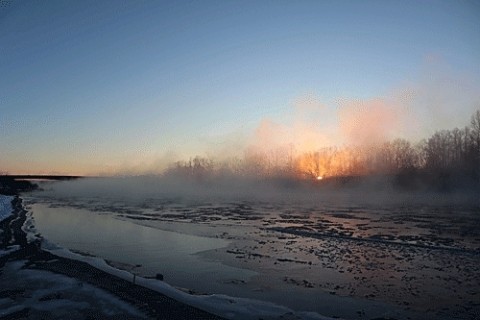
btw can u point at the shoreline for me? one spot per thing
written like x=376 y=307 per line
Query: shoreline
x=152 y=303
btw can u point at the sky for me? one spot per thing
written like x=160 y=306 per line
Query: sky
x=109 y=87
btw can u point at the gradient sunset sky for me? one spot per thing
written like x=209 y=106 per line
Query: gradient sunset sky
x=104 y=87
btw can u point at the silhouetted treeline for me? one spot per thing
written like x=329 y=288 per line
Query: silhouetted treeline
x=455 y=150
x=448 y=159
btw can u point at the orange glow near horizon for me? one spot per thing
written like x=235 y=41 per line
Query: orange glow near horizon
x=330 y=162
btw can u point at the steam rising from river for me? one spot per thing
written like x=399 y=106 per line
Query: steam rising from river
x=371 y=191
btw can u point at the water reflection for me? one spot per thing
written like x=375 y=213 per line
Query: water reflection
x=169 y=253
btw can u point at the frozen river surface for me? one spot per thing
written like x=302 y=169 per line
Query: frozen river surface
x=413 y=260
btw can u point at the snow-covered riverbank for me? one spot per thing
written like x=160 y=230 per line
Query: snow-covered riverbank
x=5 y=206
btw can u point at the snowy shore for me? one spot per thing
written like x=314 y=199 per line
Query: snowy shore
x=6 y=209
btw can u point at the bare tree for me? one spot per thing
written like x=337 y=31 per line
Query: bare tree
x=475 y=142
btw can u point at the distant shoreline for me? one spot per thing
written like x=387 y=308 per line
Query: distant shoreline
x=41 y=177
x=15 y=184
x=10 y=186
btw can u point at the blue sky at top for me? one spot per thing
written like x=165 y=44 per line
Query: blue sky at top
x=92 y=86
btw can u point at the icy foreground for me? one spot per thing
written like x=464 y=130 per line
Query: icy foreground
x=48 y=295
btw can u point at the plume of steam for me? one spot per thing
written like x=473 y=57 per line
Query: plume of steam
x=411 y=111
x=368 y=123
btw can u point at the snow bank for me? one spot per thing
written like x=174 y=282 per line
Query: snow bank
x=51 y=295
x=219 y=304
x=6 y=209
x=9 y=250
